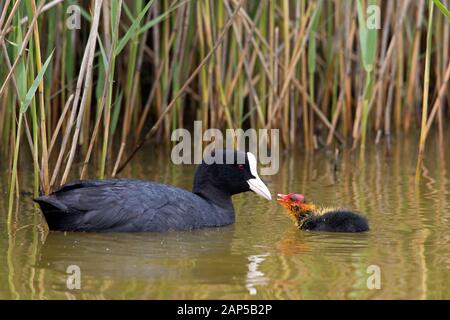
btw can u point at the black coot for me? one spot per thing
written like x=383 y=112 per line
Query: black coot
x=140 y=206
x=309 y=217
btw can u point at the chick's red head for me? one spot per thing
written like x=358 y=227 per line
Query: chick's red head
x=295 y=203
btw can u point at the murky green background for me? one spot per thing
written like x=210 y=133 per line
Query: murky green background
x=262 y=255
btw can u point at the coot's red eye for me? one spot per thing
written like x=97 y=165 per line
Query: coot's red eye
x=241 y=167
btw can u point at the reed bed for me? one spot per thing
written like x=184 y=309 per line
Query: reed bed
x=136 y=70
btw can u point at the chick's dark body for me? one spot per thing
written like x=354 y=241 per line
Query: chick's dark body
x=336 y=221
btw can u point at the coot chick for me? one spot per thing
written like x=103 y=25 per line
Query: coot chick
x=309 y=217
x=122 y=205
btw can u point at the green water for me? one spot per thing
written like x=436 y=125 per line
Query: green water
x=262 y=255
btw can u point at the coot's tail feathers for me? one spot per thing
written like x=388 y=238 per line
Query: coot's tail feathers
x=56 y=213
x=51 y=204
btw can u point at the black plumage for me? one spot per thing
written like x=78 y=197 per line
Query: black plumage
x=336 y=221
x=309 y=217
x=123 y=205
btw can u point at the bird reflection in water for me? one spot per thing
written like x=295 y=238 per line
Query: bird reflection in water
x=254 y=276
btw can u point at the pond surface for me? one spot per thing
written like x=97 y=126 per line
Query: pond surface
x=263 y=255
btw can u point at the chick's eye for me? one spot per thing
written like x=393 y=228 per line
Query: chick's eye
x=241 y=167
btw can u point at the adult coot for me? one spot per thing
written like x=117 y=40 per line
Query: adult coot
x=309 y=217
x=121 y=205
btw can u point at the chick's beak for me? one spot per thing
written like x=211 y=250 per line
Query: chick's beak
x=282 y=198
x=257 y=186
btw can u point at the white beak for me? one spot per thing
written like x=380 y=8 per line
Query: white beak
x=256 y=184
